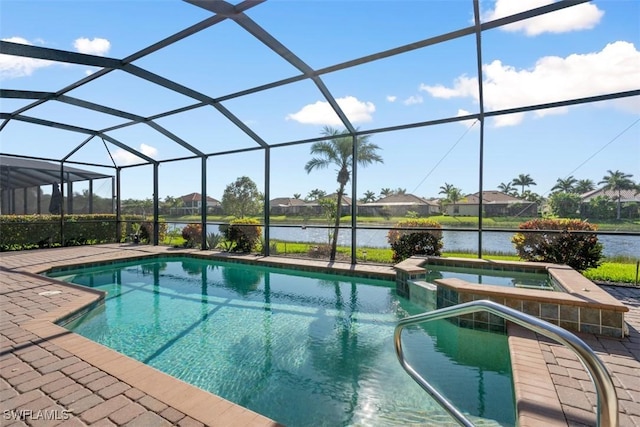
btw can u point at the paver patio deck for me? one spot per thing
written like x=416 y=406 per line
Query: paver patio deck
x=48 y=372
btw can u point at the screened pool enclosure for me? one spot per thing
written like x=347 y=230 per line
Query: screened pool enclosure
x=469 y=111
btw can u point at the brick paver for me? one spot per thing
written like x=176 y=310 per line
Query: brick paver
x=39 y=381
x=148 y=419
x=189 y=422
x=113 y=390
x=104 y=409
x=84 y=404
x=127 y=413
x=101 y=383
x=39 y=370
x=621 y=358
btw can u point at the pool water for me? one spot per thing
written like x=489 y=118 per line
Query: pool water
x=514 y=279
x=304 y=349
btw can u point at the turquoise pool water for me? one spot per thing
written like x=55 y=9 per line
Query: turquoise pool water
x=303 y=349
x=486 y=276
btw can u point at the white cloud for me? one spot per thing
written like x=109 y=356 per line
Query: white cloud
x=412 y=100
x=123 y=157
x=321 y=112
x=466 y=123
x=95 y=46
x=614 y=69
x=583 y=16
x=462 y=86
x=392 y=98
x=12 y=67
x=508 y=120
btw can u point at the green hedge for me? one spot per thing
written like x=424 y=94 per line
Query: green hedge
x=18 y=232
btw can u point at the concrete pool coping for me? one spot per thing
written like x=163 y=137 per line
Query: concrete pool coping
x=38 y=349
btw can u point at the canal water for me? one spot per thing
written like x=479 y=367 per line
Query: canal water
x=492 y=241
x=463 y=241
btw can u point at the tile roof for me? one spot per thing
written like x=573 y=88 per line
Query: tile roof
x=194 y=197
x=625 y=195
x=490 y=197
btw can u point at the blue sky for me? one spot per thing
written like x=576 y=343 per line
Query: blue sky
x=586 y=50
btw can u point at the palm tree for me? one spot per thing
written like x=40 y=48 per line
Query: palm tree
x=297 y=196
x=386 y=192
x=455 y=195
x=530 y=196
x=400 y=191
x=584 y=185
x=446 y=189
x=338 y=150
x=566 y=185
x=171 y=204
x=523 y=180
x=452 y=194
x=369 y=196
x=315 y=194
x=617 y=181
x=506 y=188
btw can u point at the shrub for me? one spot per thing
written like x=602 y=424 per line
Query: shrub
x=192 y=233
x=321 y=250
x=601 y=207
x=213 y=240
x=406 y=243
x=577 y=250
x=566 y=205
x=146 y=231
x=243 y=233
x=261 y=247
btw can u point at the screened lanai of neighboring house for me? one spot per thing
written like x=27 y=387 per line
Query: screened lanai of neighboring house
x=151 y=101
x=27 y=185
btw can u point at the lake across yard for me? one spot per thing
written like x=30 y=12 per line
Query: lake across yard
x=492 y=241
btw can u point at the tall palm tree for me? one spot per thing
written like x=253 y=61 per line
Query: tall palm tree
x=617 y=181
x=584 y=185
x=337 y=150
x=523 y=180
x=566 y=185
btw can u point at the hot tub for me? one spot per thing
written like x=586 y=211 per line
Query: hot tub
x=571 y=301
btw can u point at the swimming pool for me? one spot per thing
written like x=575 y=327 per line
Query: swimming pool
x=300 y=348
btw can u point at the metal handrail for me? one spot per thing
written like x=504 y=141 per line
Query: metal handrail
x=607 y=407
